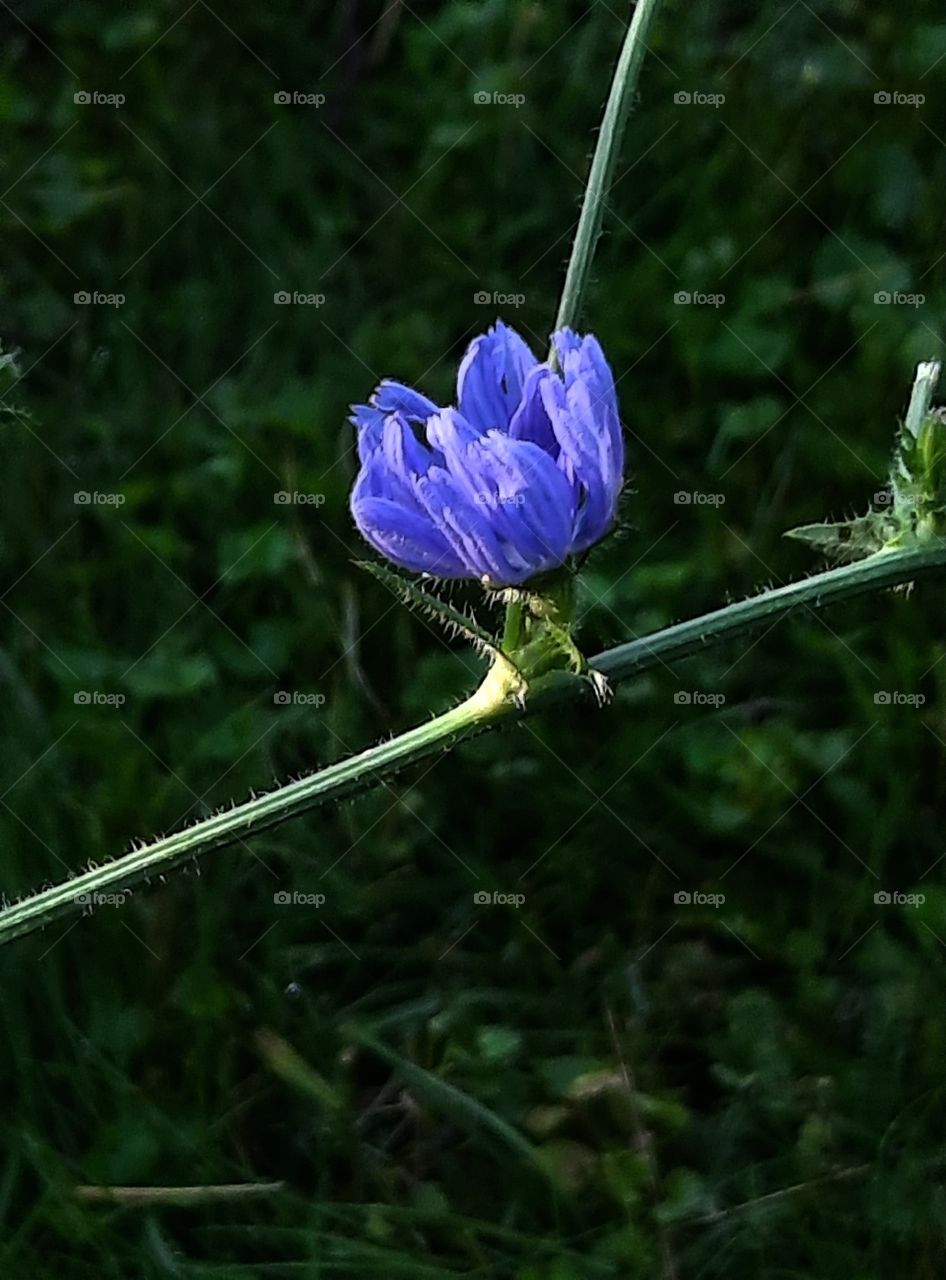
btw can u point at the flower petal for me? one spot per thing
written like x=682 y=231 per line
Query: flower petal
x=369 y=423
x=403 y=452
x=394 y=397
x=516 y=490
x=531 y=420
x=584 y=416
x=491 y=377
x=388 y=397
x=530 y=502
x=464 y=526
x=407 y=538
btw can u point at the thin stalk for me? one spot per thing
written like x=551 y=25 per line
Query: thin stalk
x=489 y=706
x=623 y=89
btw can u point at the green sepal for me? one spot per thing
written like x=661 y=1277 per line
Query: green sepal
x=454 y=621
x=846 y=541
x=912 y=507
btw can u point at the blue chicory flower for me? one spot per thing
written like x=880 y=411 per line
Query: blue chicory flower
x=524 y=472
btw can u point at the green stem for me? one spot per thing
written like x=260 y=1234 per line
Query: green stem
x=512 y=632
x=608 y=148
x=623 y=89
x=489 y=705
x=887 y=569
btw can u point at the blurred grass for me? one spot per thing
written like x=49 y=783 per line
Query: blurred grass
x=670 y=1066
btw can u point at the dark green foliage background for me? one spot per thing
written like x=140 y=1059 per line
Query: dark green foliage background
x=753 y=1090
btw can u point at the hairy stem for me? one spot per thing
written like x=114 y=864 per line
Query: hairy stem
x=490 y=705
x=623 y=89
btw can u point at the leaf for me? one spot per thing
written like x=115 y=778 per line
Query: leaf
x=846 y=541
x=454 y=621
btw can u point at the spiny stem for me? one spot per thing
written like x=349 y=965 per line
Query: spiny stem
x=492 y=703
x=608 y=148
x=623 y=89
x=886 y=569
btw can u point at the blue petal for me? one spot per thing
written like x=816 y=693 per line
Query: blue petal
x=529 y=501
x=466 y=529
x=388 y=397
x=405 y=537
x=516 y=491
x=369 y=422
x=491 y=377
x=394 y=397
x=584 y=416
x=565 y=341
x=403 y=453
x=387 y=470
x=531 y=420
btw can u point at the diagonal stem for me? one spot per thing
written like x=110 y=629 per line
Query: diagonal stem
x=488 y=707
